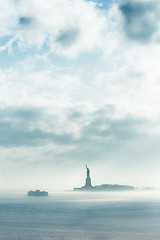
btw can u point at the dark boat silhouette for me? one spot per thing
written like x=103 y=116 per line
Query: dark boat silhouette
x=38 y=193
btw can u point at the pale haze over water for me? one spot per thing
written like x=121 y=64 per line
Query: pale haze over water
x=79 y=84
x=79 y=216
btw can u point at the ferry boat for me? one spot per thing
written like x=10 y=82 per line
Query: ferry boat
x=38 y=193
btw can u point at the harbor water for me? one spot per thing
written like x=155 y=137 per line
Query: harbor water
x=81 y=216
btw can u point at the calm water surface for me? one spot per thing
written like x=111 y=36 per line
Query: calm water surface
x=75 y=216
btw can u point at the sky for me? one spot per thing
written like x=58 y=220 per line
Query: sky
x=79 y=84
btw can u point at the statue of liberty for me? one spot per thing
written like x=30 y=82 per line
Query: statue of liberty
x=88 y=172
x=88 y=179
x=88 y=186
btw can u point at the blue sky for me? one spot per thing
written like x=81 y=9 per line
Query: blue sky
x=79 y=85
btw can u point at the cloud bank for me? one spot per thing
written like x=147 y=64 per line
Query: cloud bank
x=80 y=84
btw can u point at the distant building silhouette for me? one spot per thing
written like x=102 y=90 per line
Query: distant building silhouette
x=104 y=187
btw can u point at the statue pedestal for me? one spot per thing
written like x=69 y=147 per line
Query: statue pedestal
x=88 y=182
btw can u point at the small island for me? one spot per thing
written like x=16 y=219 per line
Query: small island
x=38 y=193
x=104 y=187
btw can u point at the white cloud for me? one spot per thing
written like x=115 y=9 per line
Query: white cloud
x=68 y=27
